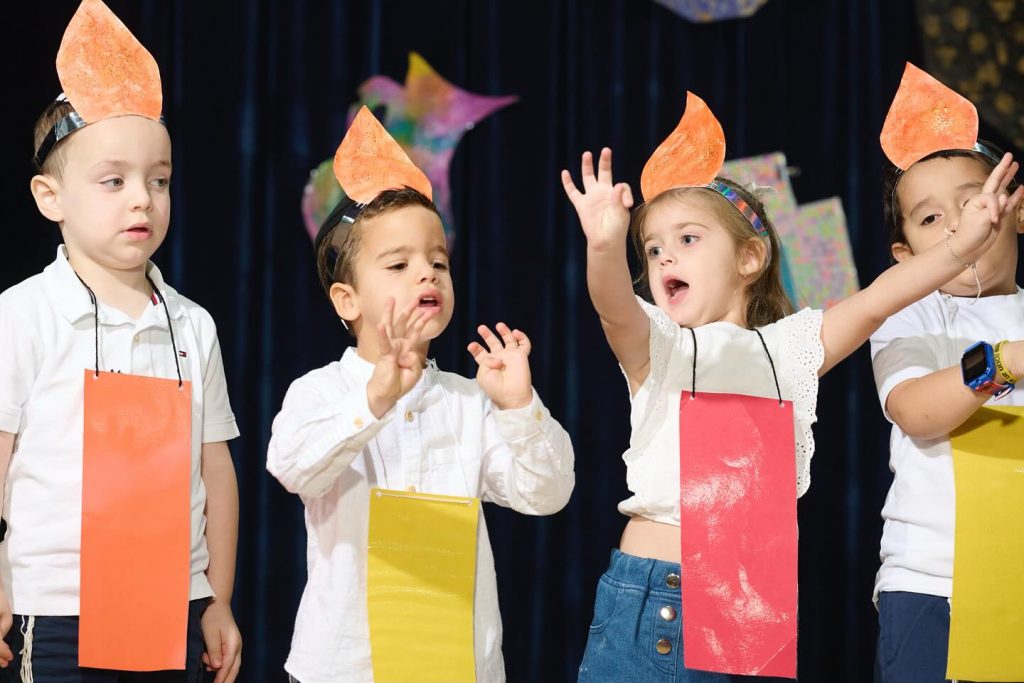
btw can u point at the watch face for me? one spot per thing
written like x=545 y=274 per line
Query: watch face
x=974 y=363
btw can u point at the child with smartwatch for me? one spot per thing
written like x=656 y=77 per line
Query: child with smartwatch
x=935 y=364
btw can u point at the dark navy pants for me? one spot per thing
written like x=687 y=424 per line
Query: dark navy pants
x=54 y=653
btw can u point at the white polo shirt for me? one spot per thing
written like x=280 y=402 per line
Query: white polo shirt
x=46 y=343
x=920 y=509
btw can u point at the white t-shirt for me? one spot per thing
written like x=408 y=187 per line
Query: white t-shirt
x=445 y=437
x=919 y=511
x=47 y=341
x=730 y=359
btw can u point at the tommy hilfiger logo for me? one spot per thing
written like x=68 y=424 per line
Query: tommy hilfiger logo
x=182 y=354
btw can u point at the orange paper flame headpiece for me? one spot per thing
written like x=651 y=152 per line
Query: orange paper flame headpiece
x=691 y=156
x=927 y=117
x=104 y=71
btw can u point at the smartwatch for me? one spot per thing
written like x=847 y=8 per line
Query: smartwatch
x=978 y=365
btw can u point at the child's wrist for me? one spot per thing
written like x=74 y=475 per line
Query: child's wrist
x=1012 y=357
x=379 y=405
x=513 y=402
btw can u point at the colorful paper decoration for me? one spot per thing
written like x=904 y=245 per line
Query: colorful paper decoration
x=427 y=117
x=706 y=11
x=690 y=156
x=987 y=613
x=136 y=522
x=421 y=581
x=738 y=534
x=818 y=267
x=104 y=70
x=369 y=161
x=926 y=117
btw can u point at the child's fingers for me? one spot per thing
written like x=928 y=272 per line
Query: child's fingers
x=383 y=340
x=627 y=196
x=506 y=335
x=587 y=167
x=996 y=176
x=604 y=166
x=1014 y=202
x=401 y=323
x=483 y=358
x=493 y=343
x=1007 y=178
x=388 y=318
x=235 y=668
x=571 y=191
x=524 y=342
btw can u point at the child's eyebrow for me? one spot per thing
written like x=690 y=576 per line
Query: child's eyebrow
x=120 y=163
x=921 y=203
x=397 y=251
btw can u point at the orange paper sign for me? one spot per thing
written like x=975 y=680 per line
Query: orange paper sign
x=136 y=536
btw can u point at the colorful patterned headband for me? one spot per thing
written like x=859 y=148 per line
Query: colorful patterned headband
x=691 y=156
x=104 y=71
x=748 y=212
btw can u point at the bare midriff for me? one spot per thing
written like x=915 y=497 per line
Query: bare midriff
x=645 y=538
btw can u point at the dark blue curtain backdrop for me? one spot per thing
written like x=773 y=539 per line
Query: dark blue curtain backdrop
x=256 y=94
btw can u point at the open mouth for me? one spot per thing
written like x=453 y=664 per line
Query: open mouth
x=430 y=301
x=676 y=289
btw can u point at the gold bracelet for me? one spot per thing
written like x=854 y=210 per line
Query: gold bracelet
x=965 y=264
x=1004 y=371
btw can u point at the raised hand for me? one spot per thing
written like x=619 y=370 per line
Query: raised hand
x=983 y=215
x=603 y=207
x=504 y=372
x=399 y=364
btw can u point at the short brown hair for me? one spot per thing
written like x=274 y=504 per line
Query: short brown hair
x=766 y=297
x=336 y=251
x=891 y=175
x=53 y=164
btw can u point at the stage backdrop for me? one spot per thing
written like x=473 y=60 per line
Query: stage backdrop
x=256 y=94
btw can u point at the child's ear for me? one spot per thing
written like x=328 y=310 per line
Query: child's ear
x=346 y=302
x=45 y=190
x=901 y=251
x=753 y=256
x=1020 y=219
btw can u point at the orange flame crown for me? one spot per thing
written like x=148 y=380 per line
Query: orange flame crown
x=369 y=161
x=104 y=70
x=926 y=117
x=691 y=156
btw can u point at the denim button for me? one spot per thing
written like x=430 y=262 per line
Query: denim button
x=663 y=646
x=672 y=580
x=668 y=613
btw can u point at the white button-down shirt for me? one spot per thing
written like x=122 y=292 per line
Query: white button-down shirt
x=443 y=437
x=47 y=341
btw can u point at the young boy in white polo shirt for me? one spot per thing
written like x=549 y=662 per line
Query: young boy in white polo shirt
x=112 y=391
x=923 y=388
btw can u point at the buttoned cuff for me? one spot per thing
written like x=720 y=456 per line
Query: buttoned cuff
x=516 y=424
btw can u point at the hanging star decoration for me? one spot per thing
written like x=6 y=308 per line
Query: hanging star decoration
x=427 y=117
x=706 y=11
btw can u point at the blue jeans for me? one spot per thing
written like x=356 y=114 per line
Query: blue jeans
x=55 y=653
x=636 y=636
x=913 y=638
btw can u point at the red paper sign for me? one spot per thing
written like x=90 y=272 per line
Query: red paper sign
x=737 y=477
x=136 y=519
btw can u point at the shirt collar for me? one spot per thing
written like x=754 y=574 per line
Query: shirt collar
x=73 y=300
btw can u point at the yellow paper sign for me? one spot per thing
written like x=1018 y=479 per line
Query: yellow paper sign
x=421 y=578
x=987 y=617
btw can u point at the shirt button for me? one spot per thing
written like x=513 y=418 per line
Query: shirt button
x=135 y=339
x=538 y=415
x=668 y=613
x=672 y=580
x=358 y=422
x=663 y=646
x=409 y=416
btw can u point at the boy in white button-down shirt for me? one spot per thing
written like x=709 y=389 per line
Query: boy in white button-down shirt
x=385 y=416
